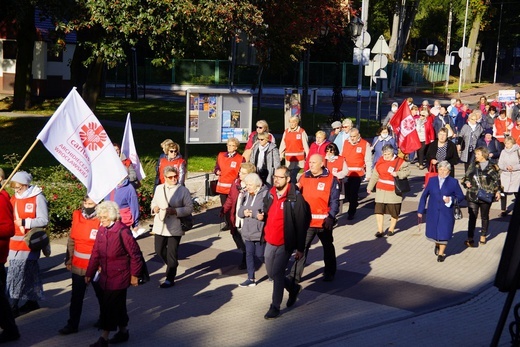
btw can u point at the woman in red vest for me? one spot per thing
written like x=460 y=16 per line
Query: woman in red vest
x=172 y=157
x=387 y=168
x=85 y=225
x=23 y=277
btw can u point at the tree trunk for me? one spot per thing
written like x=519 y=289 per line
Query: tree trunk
x=92 y=86
x=25 y=36
x=470 y=73
x=393 y=39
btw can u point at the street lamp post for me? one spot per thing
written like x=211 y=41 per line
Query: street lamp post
x=357 y=30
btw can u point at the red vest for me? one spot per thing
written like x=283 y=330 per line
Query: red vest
x=316 y=191
x=83 y=232
x=229 y=168
x=501 y=127
x=384 y=169
x=355 y=157
x=336 y=165
x=26 y=208
x=294 y=150
x=177 y=163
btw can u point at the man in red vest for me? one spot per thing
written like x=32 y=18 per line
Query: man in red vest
x=294 y=147
x=321 y=190
x=358 y=156
x=7 y=323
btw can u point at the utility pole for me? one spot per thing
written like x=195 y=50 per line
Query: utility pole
x=447 y=60
x=498 y=43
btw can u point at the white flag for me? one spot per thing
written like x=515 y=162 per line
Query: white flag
x=128 y=149
x=77 y=140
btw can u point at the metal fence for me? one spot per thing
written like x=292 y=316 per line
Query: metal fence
x=321 y=74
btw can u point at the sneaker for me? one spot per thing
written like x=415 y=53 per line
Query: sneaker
x=166 y=284
x=120 y=337
x=504 y=214
x=272 y=313
x=248 y=283
x=67 y=330
x=293 y=295
x=101 y=342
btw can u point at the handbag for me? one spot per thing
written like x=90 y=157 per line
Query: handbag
x=144 y=276
x=457 y=212
x=401 y=185
x=36 y=239
x=482 y=194
x=213 y=187
x=432 y=172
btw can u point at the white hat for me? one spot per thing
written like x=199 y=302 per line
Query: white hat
x=336 y=124
x=22 y=177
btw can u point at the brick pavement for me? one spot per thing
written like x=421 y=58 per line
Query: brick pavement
x=388 y=291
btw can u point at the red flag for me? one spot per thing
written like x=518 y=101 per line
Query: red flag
x=403 y=125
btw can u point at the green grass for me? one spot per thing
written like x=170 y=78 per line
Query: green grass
x=18 y=134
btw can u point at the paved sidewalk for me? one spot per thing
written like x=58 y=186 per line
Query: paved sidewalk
x=387 y=292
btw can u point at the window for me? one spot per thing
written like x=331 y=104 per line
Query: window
x=9 y=49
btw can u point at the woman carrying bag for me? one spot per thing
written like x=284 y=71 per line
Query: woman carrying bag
x=482 y=181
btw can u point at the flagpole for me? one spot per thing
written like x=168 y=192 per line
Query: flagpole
x=19 y=164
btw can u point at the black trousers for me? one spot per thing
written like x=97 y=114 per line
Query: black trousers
x=473 y=208
x=167 y=247
x=79 y=287
x=113 y=309
x=329 y=253
x=223 y=198
x=352 y=184
x=7 y=322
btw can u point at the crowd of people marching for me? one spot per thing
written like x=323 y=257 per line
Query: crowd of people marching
x=275 y=200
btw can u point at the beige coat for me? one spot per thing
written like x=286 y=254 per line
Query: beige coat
x=384 y=196
x=178 y=197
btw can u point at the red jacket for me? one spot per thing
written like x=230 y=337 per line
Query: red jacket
x=117 y=262
x=6 y=225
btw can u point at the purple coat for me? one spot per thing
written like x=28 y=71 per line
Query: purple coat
x=116 y=262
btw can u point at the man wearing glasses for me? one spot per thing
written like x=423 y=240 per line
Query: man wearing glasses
x=344 y=134
x=288 y=218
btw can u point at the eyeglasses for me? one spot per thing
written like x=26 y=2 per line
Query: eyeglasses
x=330 y=150
x=259 y=127
x=172 y=151
x=336 y=128
x=171 y=177
x=345 y=126
x=262 y=139
x=17 y=187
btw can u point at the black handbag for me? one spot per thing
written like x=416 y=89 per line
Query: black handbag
x=401 y=185
x=457 y=212
x=482 y=194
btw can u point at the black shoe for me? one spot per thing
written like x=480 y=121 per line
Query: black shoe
x=293 y=295
x=166 y=284
x=328 y=278
x=67 y=329
x=504 y=213
x=224 y=228
x=29 y=306
x=120 y=337
x=7 y=336
x=272 y=313
x=436 y=250
x=469 y=243
x=350 y=217
x=101 y=342
x=390 y=233
x=379 y=234
x=441 y=258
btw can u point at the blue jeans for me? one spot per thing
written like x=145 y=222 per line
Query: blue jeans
x=253 y=248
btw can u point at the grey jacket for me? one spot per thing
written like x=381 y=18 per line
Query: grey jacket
x=252 y=228
x=272 y=160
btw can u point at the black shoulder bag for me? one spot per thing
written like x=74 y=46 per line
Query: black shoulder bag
x=144 y=276
x=402 y=185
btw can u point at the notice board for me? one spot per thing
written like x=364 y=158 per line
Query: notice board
x=214 y=115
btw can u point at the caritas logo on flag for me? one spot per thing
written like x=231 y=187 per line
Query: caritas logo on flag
x=76 y=138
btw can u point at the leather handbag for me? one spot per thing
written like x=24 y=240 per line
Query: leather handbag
x=401 y=185
x=482 y=194
x=457 y=212
x=432 y=172
x=36 y=239
x=144 y=276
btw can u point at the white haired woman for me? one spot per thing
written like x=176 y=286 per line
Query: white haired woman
x=116 y=260
x=253 y=224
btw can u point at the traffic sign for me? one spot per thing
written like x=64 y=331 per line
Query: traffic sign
x=379 y=74
x=363 y=57
x=432 y=50
x=370 y=69
x=380 y=61
x=464 y=51
x=363 y=40
x=381 y=47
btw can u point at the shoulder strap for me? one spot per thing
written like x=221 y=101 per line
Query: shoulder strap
x=165 y=197
x=121 y=240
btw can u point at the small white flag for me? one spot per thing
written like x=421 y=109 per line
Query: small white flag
x=128 y=149
x=76 y=138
